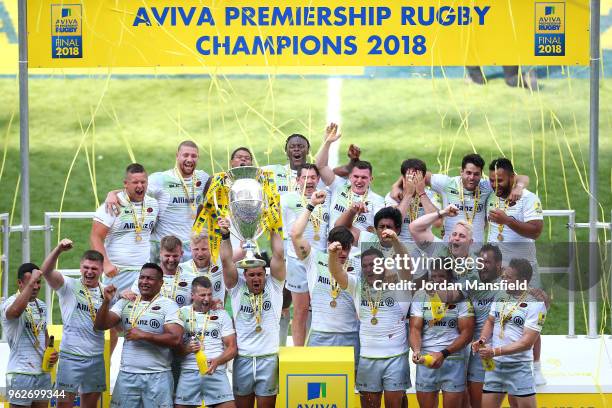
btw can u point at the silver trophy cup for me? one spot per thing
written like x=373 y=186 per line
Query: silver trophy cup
x=246 y=204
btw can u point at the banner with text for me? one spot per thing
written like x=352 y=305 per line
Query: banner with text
x=95 y=33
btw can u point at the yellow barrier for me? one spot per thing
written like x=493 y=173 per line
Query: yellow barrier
x=316 y=376
x=56 y=330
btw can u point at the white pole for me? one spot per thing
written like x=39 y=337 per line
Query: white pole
x=24 y=145
x=334 y=95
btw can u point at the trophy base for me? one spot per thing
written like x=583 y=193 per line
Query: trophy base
x=248 y=263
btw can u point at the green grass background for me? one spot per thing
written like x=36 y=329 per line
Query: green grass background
x=83 y=132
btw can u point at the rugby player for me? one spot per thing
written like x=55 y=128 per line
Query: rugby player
x=25 y=326
x=417 y=199
x=81 y=366
x=202 y=265
x=257 y=302
x=212 y=332
x=514 y=324
x=346 y=192
x=334 y=317
x=152 y=329
x=440 y=330
x=514 y=226
x=383 y=362
x=178 y=192
x=124 y=238
x=293 y=204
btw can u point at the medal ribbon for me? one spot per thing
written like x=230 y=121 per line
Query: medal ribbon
x=474 y=207
x=413 y=209
x=500 y=227
x=257 y=306
x=90 y=305
x=373 y=304
x=137 y=225
x=35 y=328
x=134 y=316
x=194 y=325
x=505 y=317
x=175 y=283
x=186 y=190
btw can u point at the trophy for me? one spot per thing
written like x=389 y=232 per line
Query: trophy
x=246 y=205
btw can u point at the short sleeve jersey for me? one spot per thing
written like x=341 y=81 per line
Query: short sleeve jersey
x=325 y=318
x=284 y=177
x=177 y=202
x=451 y=190
x=437 y=335
x=208 y=327
x=342 y=198
x=293 y=205
x=388 y=337
x=26 y=351
x=79 y=336
x=514 y=245
x=121 y=244
x=250 y=341
x=519 y=314
x=140 y=356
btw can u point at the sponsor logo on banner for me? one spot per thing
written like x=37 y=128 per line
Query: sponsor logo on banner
x=66 y=31
x=550 y=29
x=317 y=391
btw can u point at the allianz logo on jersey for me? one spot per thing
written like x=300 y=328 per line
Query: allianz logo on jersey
x=317 y=391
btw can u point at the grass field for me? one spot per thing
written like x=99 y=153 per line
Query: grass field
x=83 y=132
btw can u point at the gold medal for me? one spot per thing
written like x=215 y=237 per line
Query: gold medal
x=333 y=303
x=258 y=329
x=138 y=238
x=317 y=238
x=500 y=237
x=374 y=321
x=193 y=216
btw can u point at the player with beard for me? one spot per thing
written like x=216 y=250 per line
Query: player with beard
x=178 y=192
x=124 y=239
x=211 y=331
x=257 y=301
x=346 y=192
x=468 y=192
x=24 y=325
x=201 y=265
x=152 y=329
x=81 y=366
x=176 y=282
x=508 y=336
x=514 y=226
x=383 y=362
x=293 y=204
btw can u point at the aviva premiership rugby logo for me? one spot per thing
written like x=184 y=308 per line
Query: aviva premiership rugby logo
x=66 y=31
x=550 y=29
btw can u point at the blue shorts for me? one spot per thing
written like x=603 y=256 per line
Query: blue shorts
x=383 y=374
x=512 y=378
x=194 y=388
x=258 y=375
x=475 y=371
x=21 y=383
x=151 y=390
x=296 y=275
x=80 y=373
x=450 y=377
